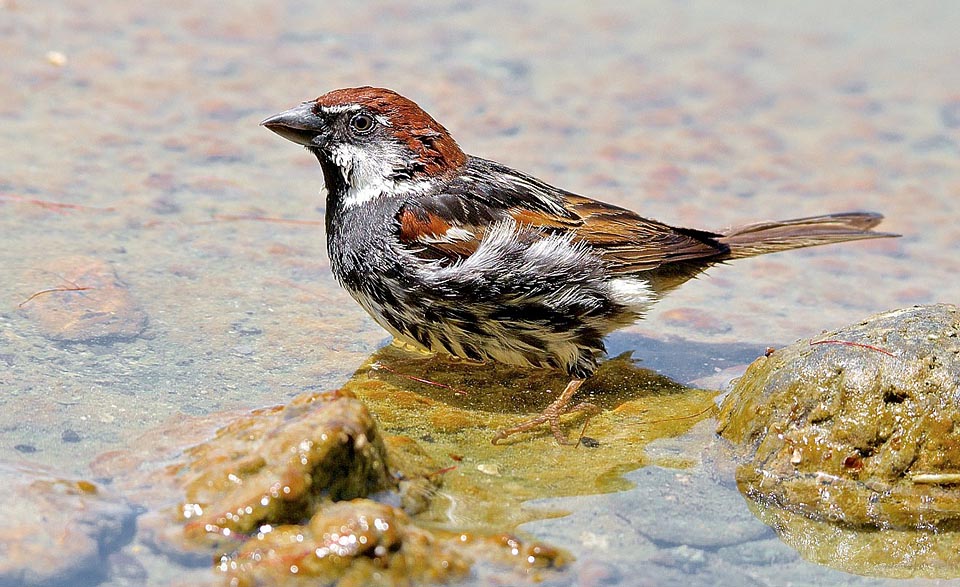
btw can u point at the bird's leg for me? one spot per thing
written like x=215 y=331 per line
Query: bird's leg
x=551 y=416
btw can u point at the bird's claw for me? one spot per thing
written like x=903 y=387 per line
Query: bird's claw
x=551 y=417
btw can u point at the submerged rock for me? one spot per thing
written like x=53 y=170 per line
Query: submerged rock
x=858 y=429
x=56 y=530
x=90 y=304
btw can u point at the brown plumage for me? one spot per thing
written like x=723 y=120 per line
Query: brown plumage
x=465 y=256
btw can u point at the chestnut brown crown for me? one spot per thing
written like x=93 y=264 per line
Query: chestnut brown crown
x=378 y=121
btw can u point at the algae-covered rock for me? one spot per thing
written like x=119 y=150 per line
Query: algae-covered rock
x=359 y=543
x=890 y=552
x=280 y=465
x=289 y=496
x=455 y=408
x=363 y=543
x=860 y=426
x=263 y=492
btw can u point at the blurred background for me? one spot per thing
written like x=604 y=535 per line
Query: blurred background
x=129 y=137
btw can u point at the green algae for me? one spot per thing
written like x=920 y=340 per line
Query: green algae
x=453 y=409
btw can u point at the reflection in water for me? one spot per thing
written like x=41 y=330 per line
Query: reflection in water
x=887 y=552
x=455 y=407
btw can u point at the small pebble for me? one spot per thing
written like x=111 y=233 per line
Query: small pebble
x=950 y=114
x=488 y=469
x=589 y=442
x=56 y=58
x=70 y=435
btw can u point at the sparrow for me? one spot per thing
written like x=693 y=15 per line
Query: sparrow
x=465 y=256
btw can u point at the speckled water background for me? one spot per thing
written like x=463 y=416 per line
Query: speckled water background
x=696 y=113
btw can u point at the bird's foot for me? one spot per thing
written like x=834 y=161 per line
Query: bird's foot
x=551 y=417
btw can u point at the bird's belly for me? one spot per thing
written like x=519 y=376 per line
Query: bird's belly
x=473 y=336
x=423 y=324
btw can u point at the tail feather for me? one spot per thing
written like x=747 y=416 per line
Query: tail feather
x=769 y=237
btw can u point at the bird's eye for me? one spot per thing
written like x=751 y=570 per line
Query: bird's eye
x=362 y=123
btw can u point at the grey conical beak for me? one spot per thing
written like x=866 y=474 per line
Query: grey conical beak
x=300 y=125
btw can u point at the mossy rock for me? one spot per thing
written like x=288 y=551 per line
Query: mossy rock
x=860 y=426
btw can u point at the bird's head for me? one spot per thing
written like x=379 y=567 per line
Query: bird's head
x=371 y=142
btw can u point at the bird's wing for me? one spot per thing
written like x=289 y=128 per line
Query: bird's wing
x=450 y=224
x=630 y=243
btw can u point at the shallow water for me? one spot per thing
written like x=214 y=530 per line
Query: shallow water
x=696 y=113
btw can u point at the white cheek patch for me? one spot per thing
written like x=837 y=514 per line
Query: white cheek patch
x=367 y=173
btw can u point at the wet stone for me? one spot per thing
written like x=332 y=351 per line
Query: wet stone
x=848 y=444
x=858 y=426
x=490 y=485
x=307 y=493
x=689 y=560
x=658 y=537
x=278 y=466
x=759 y=553
x=666 y=494
x=82 y=300
x=361 y=542
x=365 y=543
x=57 y=531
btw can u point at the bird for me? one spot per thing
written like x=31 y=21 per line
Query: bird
x=463 y=256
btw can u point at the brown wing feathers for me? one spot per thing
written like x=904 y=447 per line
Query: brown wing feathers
x=446 y=226
x=630 y=243
x=432 y=235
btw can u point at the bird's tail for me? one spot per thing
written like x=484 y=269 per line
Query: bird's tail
x=769 y=237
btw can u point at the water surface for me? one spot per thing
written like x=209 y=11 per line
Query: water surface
x=144 y=118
